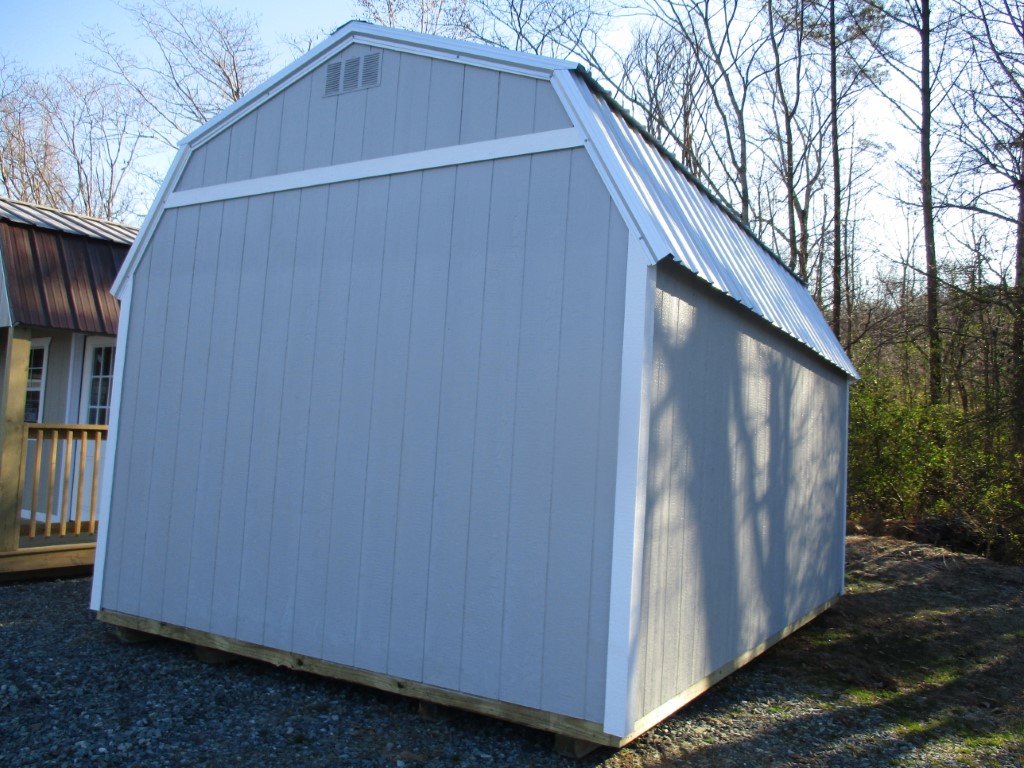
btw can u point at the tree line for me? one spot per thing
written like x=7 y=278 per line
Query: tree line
x=877 y=146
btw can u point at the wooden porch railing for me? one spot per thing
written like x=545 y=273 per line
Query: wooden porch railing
x=61 y=471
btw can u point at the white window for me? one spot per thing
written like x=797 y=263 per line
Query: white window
x=35 y=389
x=97 y=380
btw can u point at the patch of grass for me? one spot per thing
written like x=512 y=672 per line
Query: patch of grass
x=828 y=636
x=869 y=697
x=909 y=727
x=1009 y=739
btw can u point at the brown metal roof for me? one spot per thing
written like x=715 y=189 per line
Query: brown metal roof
x=34 y=215
x=59 y=278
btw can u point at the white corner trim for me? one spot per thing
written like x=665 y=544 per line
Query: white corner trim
x=152 y=218
x=107 y=480
x=630 y=491
x=844 y=470
x=459 y=154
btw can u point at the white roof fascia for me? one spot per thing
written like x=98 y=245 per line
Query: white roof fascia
x=451 y=49
x=151 y=220
x=360 y=32
x=610 y=167
x=387 y=165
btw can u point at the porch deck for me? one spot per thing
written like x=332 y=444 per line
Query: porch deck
x=55 y=520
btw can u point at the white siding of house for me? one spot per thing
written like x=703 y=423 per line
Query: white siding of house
x=745 y=499
x=420 y=104
x=385 y=415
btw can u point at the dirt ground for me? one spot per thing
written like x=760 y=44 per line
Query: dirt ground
x=920 y=663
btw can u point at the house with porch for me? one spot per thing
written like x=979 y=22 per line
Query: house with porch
x=58 y=323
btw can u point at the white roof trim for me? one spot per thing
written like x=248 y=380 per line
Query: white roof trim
x=360 y=32
x=389 y=165
x=454 y=50
x=150 y=222
x=638 y=219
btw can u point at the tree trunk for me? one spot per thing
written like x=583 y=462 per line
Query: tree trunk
x=837 y=188
x=1017 y=339
x=928 y=214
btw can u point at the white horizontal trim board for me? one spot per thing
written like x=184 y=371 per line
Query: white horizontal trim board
x=459 y=154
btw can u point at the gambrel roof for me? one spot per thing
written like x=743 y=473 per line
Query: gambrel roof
x=673 y=215
x=58 y=268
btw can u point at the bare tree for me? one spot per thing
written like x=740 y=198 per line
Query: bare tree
x=797 y=120
x=206 y=59
x=69 y=141
x=663 y=82
x=30 y=159
x=988 y=105
x=97 y=124
x=912 y=45
x=432 y=17
x=727 y=43
x=542 y=27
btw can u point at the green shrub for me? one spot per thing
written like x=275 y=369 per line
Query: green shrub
x=932 y=472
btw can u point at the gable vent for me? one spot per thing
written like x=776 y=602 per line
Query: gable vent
x=333 y=86
x=371 y=70
x=353 y=74
x=351 y=80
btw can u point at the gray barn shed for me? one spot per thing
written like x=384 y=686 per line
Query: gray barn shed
x=436 y=374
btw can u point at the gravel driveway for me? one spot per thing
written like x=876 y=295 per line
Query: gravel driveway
x=72 y=695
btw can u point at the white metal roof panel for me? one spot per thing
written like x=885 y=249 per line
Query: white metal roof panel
x=62 y=221
x=679 y=219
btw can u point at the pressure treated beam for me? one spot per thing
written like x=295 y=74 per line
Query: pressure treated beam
x=16 y=346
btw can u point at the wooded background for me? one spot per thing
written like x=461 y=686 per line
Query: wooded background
x=876 y=146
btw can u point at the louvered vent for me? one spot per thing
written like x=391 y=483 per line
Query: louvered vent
x=333 y=87
x=351 y=80
x=371 y=70
x=353 y=74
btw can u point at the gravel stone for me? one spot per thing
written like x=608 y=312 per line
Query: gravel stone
x=71 y=694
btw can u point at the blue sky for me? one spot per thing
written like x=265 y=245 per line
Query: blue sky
x=44 y=34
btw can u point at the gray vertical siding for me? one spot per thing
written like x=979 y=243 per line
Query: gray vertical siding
x=745 y=506
x=58 y=377
x=420 y=104
x=386 y=420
